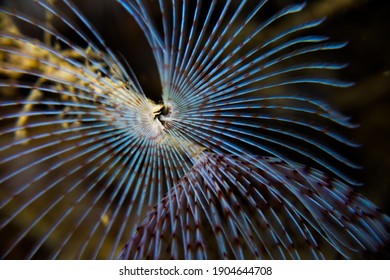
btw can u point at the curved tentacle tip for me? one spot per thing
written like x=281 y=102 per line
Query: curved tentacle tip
x=344 y=84
x=297 y=7
x=350 y=84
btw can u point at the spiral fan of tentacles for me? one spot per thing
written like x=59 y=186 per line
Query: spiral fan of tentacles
x=92 y=168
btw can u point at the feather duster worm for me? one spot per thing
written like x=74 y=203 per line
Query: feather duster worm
x=89 y=163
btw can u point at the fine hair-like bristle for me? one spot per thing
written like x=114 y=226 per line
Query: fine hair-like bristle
x=239 y=160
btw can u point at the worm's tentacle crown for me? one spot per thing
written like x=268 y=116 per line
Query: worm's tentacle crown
x=239 y=159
